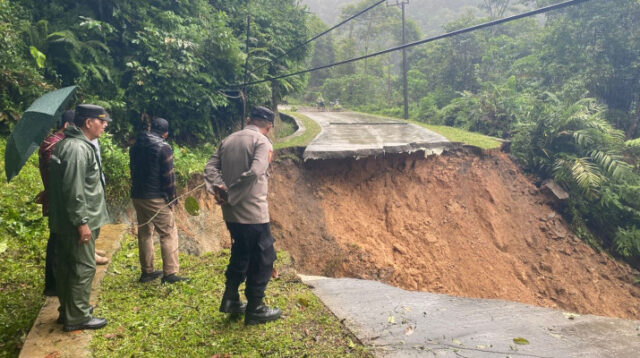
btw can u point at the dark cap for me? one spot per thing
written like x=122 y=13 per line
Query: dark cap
x=67 y=117
x=264 y=113
x=159 y=125
x=84 y=111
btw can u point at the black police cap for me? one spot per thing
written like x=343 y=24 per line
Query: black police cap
x=84 y=111
x=260 y=112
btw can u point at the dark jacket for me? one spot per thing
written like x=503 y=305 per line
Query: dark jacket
x=151 y=165
x=76 y=189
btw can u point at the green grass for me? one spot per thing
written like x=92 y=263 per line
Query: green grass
x=182 y=320
x=285 y=129
x=312 y=129
x=23 y=239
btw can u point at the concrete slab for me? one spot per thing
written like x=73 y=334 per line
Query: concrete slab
x=46 y=338
x=356 y=135
x=402 y=323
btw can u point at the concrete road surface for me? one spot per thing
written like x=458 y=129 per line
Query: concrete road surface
x=403 y=323
x=348 y=134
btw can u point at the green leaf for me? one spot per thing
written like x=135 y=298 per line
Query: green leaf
x=191 y=206
x=521 y=341
x=38 y=56
x=3 y=247
x=303 y=302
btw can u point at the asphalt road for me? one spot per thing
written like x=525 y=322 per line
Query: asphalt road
x=401 y=323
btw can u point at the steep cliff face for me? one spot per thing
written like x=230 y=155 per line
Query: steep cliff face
x=464 y=223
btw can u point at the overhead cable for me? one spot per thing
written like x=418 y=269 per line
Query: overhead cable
x=359 y=13
x=420 y=42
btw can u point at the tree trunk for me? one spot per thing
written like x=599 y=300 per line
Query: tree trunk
x=275 y=100
x=636 y=118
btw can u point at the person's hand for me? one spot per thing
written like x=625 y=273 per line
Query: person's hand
x=220 y=194
x=173 y=203
x=85 y=234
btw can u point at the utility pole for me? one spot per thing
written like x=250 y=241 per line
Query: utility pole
x=246 y=75
x=405 y=91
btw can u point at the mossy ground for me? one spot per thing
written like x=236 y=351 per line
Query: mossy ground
x=182 y=320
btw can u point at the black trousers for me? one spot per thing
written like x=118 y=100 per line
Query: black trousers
x=50 y=266
x=252 y=257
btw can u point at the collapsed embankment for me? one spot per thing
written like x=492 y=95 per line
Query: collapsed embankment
x=466 y=223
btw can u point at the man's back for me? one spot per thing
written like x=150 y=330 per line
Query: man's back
x=241 y=163
x=146 y=158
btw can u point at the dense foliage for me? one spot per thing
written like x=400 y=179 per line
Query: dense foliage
x=23 y=240
x=565 y=89
x=20 y=79
x=179 y=59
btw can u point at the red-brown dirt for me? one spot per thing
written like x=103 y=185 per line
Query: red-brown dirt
x=466 y=223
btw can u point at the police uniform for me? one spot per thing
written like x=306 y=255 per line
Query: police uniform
x=241 y=164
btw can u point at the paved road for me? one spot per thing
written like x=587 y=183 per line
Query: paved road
x=402 y=323
x=348 y=134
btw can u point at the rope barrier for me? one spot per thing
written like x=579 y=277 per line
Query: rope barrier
x=169 y=204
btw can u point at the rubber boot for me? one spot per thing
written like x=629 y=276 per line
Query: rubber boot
x=257 y=312
x=231 y=302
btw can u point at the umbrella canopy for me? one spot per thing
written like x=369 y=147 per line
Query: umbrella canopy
x=33 y=127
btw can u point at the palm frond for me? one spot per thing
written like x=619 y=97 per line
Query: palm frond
x=612 y=163
x=581 y=172
x=633 y=143
x=66 y=37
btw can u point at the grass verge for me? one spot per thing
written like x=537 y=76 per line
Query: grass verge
x=23 y=240
x=311 y=130
x=182 y=320
x=460 y=135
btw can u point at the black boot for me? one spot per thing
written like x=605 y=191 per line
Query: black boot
x=231 y=302
x=257 y=312
x=92 y=323
x=60 y=320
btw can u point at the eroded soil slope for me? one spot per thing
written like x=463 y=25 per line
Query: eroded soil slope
x=464 y=223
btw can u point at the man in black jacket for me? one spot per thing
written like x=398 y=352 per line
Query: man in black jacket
x=153 y=191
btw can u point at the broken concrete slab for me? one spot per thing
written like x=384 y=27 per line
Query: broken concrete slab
x=401 y=323
x=354 y=135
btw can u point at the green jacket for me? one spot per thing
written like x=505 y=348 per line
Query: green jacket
x=76 y=189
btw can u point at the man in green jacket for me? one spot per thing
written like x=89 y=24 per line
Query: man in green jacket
x=77 y=211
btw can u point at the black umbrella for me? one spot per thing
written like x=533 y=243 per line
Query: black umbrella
x=33 y=127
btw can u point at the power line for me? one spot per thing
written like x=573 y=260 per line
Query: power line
x=359 y=13
x=420 y=42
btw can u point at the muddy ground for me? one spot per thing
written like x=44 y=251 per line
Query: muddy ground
x=467 y=223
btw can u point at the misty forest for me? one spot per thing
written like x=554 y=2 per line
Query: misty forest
x=561 y=90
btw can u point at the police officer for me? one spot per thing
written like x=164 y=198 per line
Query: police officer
x=237 y=176
x=77 y=210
